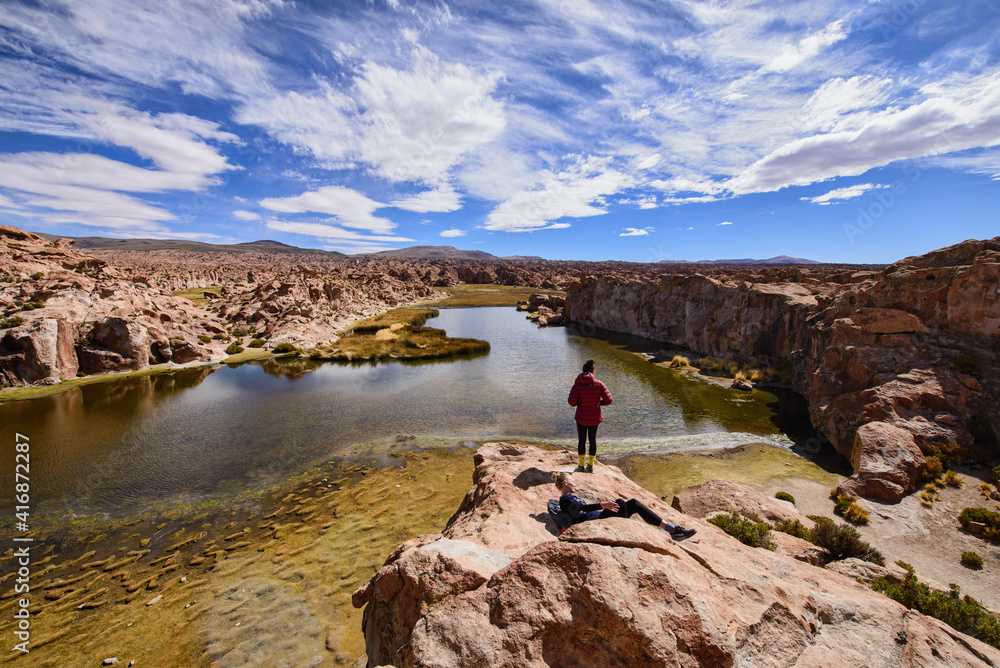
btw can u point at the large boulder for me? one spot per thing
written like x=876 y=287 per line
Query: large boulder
x=719 y=495
x=887 y=462
x=501 y=587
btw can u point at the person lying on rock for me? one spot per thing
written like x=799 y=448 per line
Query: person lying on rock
x=581 y=511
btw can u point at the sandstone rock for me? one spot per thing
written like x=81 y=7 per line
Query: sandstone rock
x=886 y=460
x=40 y=351
x=887 y=321
x=741 y=385
x=619 y=592
x=722 y=495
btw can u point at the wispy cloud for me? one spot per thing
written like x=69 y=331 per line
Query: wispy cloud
x=725 y=222
x=246 y=215
x=352 y=208
x=843 y=194
x=634 y=232
x=337 y=238
x=578 y=191
x=441 y=200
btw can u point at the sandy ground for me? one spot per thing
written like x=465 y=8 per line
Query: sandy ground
x=930 y=539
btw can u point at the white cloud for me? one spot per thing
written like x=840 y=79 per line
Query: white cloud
x=576 y=192
x=953 y=118
x=834 y=104
x=725 y=222
x=245 y=215
x=453 y=233
x=90 y=189
x=842 y=194
x=332 y=233
x=793 y=55
x=352 y=209
x=442 y=200
x=633 y=232
x=412 y=124
x=8 y=203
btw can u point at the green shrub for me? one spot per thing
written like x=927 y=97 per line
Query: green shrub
x=848 y=507
x=256 y=343
x=902 y=564
x=985 y=516
x=792 y=528
x=965 y=363
x=39 y=304
x=842 y=541
x=239 y=331
x=204 y=338
x=972 y=560
x=785 y=496
x=35 y=276
x=218 y=337
x=746 y=527
x=285 y=348
x=14 y=321
x=234 y=348
x=995 y=476
x=81 y=374
x=963 y=614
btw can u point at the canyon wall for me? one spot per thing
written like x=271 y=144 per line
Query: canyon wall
x=913 y=347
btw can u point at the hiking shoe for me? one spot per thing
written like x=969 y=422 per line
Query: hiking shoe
x=589 y=469
x=680 y=533
x=579 y=469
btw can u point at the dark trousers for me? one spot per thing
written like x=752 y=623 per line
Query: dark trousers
x=582 y=433
x=634 y=507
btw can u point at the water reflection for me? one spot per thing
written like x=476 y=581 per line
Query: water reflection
x=115 y=447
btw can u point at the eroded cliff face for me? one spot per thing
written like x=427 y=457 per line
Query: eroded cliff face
x=913 y=347
x=501 y=587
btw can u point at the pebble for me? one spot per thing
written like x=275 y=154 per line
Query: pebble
x=155 y=599
x=111 y=661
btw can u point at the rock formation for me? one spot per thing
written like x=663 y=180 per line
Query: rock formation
x=66 y=312
x=912 y=347
x=500 y=587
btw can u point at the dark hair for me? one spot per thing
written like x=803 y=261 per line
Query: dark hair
x=588 y=366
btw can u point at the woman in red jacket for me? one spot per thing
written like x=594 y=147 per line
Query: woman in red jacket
x=588 y=395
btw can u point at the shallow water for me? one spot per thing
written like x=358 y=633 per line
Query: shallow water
x=203 y=434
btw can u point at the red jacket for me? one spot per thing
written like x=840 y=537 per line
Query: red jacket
x=588 y=395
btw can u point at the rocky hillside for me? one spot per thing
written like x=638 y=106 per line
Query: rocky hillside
x=500 y=587
x=67 y=313
x=895 y=364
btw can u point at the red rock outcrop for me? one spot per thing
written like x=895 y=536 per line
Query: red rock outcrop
x=66 y=312
x=500 y=587
x=913 y=346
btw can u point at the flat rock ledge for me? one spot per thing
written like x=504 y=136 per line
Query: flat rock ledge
x=500 y=587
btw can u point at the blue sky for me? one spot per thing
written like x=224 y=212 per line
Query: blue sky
x=841 y=131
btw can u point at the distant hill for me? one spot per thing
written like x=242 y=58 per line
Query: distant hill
x=780 y=259
x=435 y=253
x=262 y=246
x=522 y=257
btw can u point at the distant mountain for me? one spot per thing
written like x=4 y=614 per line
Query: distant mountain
x=262 y=246
x=435 y=253
x=780 y=259
x=522 y=257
